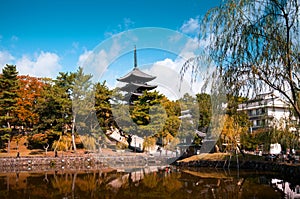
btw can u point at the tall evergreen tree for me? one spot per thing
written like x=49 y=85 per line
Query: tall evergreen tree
x=102 y=105
x=49 y=107
x=8 y=100
x=84 y=118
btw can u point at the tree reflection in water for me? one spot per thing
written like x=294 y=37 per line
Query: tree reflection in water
x=137 y=183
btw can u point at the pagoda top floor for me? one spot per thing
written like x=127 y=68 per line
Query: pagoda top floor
x=136 y=76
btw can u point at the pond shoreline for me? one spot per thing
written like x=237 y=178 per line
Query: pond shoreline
x=290 y=170
x=42 y=163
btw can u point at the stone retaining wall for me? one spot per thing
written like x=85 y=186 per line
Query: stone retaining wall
x=287 y=169
x=52 y=163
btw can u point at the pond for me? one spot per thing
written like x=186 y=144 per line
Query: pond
x=146 y=182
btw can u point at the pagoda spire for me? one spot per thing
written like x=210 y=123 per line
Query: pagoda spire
x=136 y=82
x=135 y=60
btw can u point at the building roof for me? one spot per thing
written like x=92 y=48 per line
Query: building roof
x=134 y=86
x=130 y=95
x=263 y=101
x=136 y=76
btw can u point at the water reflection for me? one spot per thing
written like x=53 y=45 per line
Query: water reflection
x=290 y=190
x=149 y=182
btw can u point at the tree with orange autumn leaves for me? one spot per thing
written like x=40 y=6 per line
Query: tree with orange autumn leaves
x=29 y=92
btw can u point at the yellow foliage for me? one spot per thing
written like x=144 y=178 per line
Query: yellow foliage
x=149 y=143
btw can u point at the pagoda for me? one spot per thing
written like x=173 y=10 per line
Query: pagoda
x=136 y=82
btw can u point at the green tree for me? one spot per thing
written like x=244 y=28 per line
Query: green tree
x=9 y=85
x=49 y=107
x=205 y=109
x=145 y=118
x=64 y=83
x=83 y=111
x=103 y=110
x=190 y=120
x=102 y=105
x=55 y=104
x=172 y=122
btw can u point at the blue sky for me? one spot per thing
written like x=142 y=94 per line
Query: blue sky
x=44 y=37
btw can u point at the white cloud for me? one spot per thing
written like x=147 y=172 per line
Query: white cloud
x=168 y=70
x=191 y=26
x=5 y=58
x=96 y=62
x=168 y=78
x=175 y=38
x=83 y=57
x=44 y=64
x=190 y=48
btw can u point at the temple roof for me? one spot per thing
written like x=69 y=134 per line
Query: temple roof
x=136 y=75
x=135 y=86
x=132 y=94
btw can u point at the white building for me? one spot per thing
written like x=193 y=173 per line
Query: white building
x=267 y=111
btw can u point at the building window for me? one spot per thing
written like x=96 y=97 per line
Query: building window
x=263 y=122
x=258 y=123
x=257 y=111
x=250 y=113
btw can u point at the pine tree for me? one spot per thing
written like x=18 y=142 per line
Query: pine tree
x=83 y=101
x=8 y=101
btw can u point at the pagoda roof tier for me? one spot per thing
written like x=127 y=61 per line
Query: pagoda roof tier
x=134 y=86
x=128 y=95
x=132 y=94
x=136 y=75
x=137 y=94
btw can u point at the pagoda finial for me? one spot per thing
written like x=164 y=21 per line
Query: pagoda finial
x=135 y=60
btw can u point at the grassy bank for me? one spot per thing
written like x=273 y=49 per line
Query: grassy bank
x=222 y=157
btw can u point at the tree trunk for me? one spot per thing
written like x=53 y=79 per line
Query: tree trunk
x=8 y=144
x=46 y=148
x=73 y=133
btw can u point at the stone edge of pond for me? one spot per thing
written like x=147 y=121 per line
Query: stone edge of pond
x=287 y=169
x=10 y=164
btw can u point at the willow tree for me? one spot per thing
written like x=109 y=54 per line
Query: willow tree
x=255 y=45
